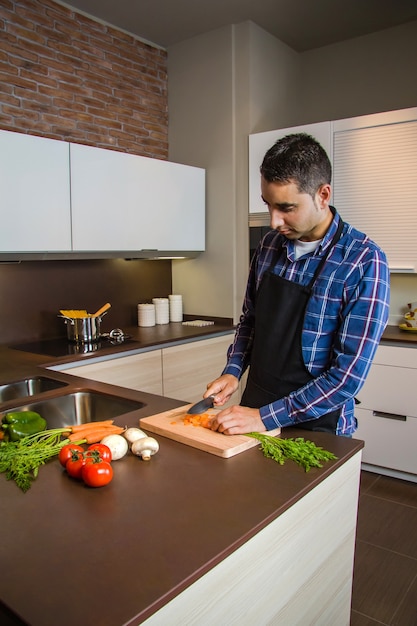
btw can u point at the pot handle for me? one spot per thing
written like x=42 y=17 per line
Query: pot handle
x=67 y=319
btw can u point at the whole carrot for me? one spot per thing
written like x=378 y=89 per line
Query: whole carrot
x=95 y=435
x=90 y=425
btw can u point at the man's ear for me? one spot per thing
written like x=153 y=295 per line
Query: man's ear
x=324 y=194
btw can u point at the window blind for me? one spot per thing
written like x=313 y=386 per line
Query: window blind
x=375 y=187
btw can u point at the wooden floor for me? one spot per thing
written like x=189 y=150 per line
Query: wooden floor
x=385 y=571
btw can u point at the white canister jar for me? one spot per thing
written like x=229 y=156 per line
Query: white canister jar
x=161 y=310
x=175 y=308
x=146 y=315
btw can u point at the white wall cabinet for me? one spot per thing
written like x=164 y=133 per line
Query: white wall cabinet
x=374 y=159
x=180 y=371
x=126 y=202
x=35 y=194
x=387 y=415
x=61 y=197
x=259 y=143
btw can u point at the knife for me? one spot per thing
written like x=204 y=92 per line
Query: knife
x=202 y=406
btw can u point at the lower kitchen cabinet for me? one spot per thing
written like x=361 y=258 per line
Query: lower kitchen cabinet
x=180 y=371
x=142 y=372
x=387 y=415
x=189 y=367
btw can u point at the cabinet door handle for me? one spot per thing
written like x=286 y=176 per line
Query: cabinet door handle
x=390 y=416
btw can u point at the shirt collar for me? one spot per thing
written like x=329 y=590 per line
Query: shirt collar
x=325 y=242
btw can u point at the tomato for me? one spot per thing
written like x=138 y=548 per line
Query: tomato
x=104 y=451
x=97 y=474
x=75 y=465
x=68 y=451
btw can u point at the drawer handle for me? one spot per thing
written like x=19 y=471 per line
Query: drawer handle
x=390 y=416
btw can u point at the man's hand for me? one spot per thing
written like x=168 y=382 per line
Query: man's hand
x=238 y=420
x=222 y=388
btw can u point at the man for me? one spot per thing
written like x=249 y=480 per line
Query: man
x=316 y=305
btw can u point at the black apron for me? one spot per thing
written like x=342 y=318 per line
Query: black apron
x=277 y=366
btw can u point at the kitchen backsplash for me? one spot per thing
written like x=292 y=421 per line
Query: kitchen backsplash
x=32 y=293
x=403 y=290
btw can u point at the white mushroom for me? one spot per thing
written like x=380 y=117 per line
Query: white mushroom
x=145 y=447
x=118 y=446
x=133 y=434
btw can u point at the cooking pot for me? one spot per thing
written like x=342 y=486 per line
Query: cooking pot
x=83 y=329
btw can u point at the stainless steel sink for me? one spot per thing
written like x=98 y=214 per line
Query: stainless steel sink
x=28 y=387
x=80 y=407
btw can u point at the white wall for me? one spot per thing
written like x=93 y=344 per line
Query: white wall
x=200 y=80
x=274 y=82
x=222 y=86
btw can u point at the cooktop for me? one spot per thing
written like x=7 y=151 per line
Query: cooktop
x=61 y=347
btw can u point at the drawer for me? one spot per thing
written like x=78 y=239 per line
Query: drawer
x=388 y=443
x=142 y=372
x=390 y=389
x=397 y=356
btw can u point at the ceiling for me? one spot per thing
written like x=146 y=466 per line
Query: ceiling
x=301 y=24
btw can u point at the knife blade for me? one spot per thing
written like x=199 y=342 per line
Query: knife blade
x=201 y=406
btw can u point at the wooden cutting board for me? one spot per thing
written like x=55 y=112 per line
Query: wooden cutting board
x=170 y=424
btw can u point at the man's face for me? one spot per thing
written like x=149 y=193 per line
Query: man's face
x=297 y=215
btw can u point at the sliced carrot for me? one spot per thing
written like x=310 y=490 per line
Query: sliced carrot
x=80 y=427
x=204 y=420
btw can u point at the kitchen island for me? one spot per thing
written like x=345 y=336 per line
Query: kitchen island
x=187 y=538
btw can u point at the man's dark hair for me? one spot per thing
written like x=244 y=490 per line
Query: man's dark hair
x=297 y=158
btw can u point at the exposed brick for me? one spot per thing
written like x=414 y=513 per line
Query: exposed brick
x=19 y=112
x=61 y=103
x=63 y=61
x=79 y=116
x=23 y=22
x=7 y=122
x=65 y=76
x=39 y=107
x=30 y=47
x=30 y=70
x=11 y=100
x=24 y=34
x=40 y=100
x=6 y=5
x=8 y=73
x=5 y=88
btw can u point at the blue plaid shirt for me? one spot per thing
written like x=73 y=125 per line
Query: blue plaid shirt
x=345 y=318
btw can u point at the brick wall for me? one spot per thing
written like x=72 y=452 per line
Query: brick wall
x=65 y=76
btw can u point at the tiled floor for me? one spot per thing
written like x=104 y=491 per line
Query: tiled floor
x=385 y=571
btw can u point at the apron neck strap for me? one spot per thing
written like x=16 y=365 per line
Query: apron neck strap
x=335 y=239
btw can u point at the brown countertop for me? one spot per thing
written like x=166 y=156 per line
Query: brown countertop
x=113 y=556
x=394 y=334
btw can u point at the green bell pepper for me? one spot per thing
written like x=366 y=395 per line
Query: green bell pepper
x=18 y=424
